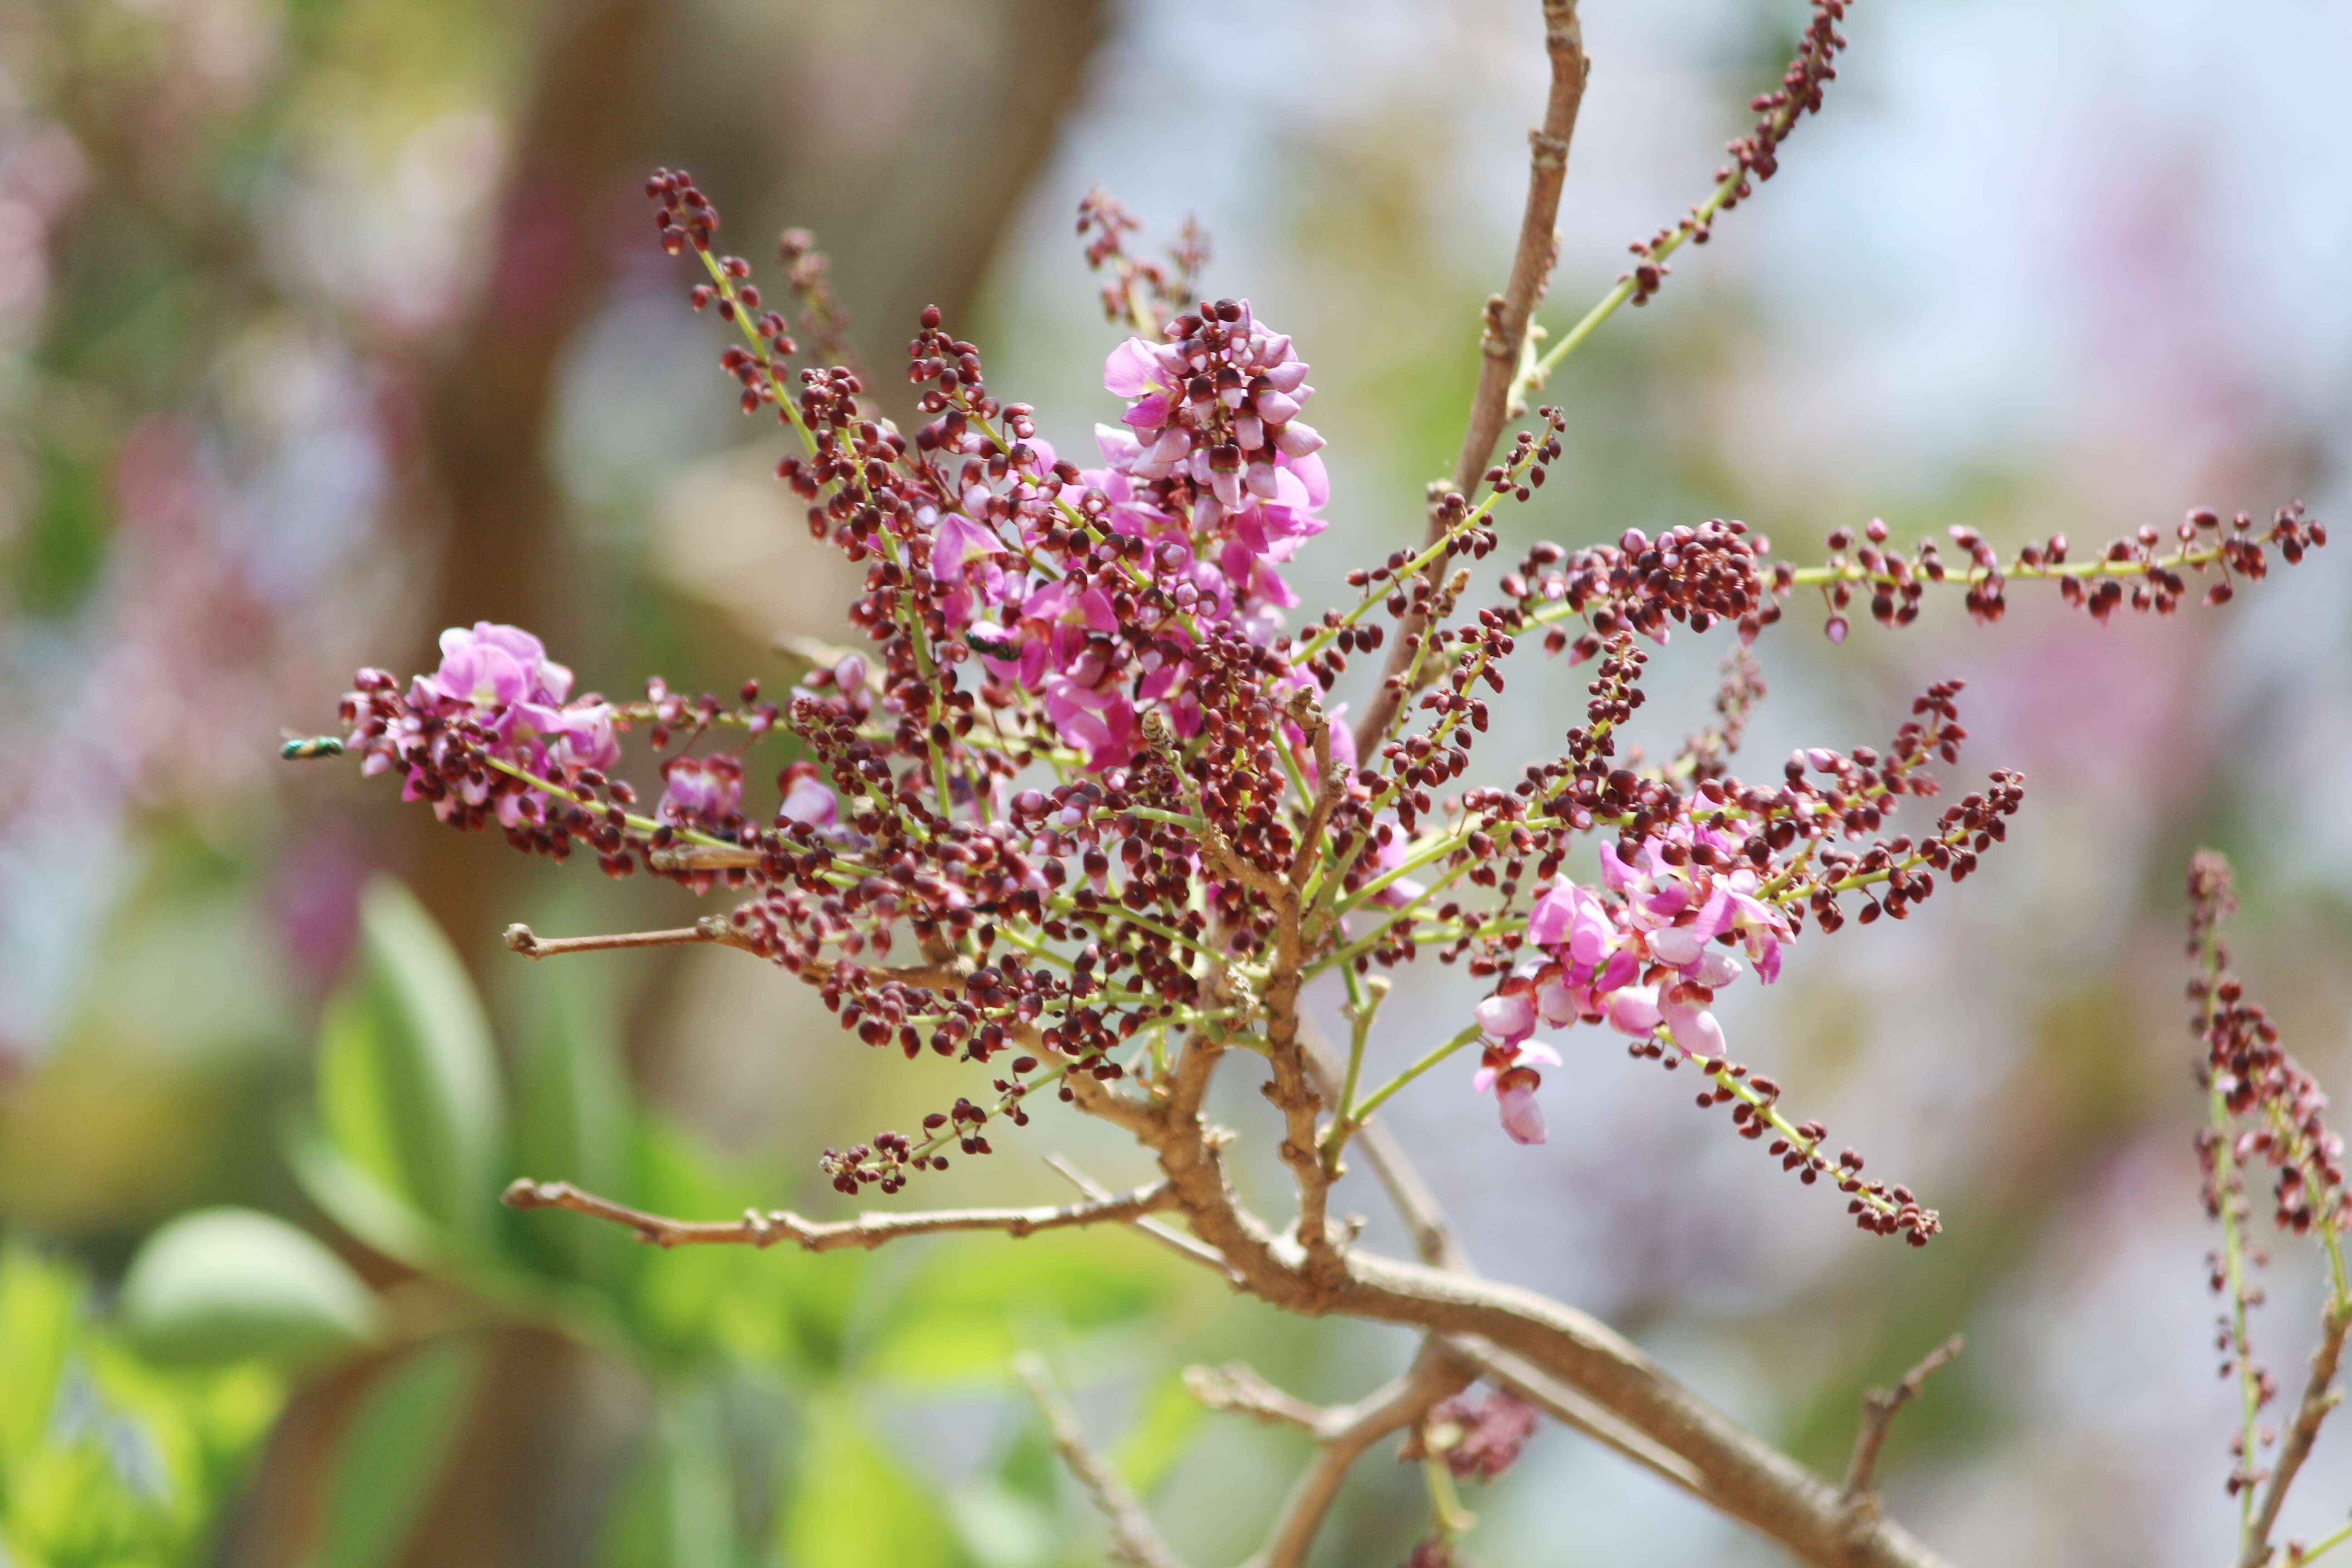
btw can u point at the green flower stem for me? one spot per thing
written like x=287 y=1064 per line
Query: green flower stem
x=1536 y=375
x=2131 y=566
x=2326 y=1543
x=759 y=349
x=1436 y=848
x=1437 y=734
x=1175 y=819
x=1066 y=906
x=1363 y=1001
x=1445 y=1507
x=1324 y=636
x=640 y=824
x=2233 y=1260
x=1359 y=1115
x=1010 y=933
x=1348 y=955
x=1852 y=572
x=1573 y=339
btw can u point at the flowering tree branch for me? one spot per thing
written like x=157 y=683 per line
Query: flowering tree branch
x=1073 y=816
x=1654 y=1418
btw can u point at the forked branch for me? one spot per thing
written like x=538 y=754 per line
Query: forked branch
x=1345 y=1433
x=2320 y=1395
x=1878 y=1408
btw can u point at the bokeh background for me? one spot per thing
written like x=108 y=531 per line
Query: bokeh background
x=325 y=324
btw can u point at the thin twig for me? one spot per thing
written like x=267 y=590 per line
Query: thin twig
x=766 y=1227
x=2298 y=1555
x=1345 y=1433
x=1433 y=1234
x=1878 y=1408
x=1505 y=333
x=1134 y=1540
x=710 y=929
x=1574 y=1411
x=1740 y=1475
x=1237 y=1389
x=1176 y=1240
x=704 y=857
x=2320 y=1395
x=1509 y=313
x=1433 y=1237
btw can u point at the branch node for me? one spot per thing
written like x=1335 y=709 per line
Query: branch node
x=1878 y=1408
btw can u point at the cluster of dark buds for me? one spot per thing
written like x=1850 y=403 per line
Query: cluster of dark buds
x=2265 y=1111
x=1142 y=292
x=2135 y=571
x=1754 y=157
x=1476 y=1439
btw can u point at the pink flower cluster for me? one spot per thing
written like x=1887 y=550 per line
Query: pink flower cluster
x=500 y=682
x=1213 y=480
x=1647 y=953
x=1213 y=418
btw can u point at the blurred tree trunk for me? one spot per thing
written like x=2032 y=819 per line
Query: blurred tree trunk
x=528 y=1481
x=503 y=553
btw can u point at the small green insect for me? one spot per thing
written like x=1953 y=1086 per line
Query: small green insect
x=303 y=749
x=995 y=645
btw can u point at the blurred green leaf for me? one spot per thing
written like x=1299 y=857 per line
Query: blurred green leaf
x=677 y=1508
x=1003 y=1529
x=68 y=1503
x=37 y=1305
x=854 y=1503
x=357 y=1202
x=107 y=1460
x=226 y=1285
x=60 y=555
x=573 y=1123
x=206 y=1425
x=958 y=1318
x=1030 y=1466
x=408 y=1085
x=1159 y=1435
x=782 y=1307
x=392 y=1453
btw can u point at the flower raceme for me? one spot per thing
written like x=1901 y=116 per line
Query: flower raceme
x=1074 y=806
x=2265 y=1111
x=497 y=687
x=1645 y=963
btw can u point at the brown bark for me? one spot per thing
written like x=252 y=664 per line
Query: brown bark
x=1505 y=329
